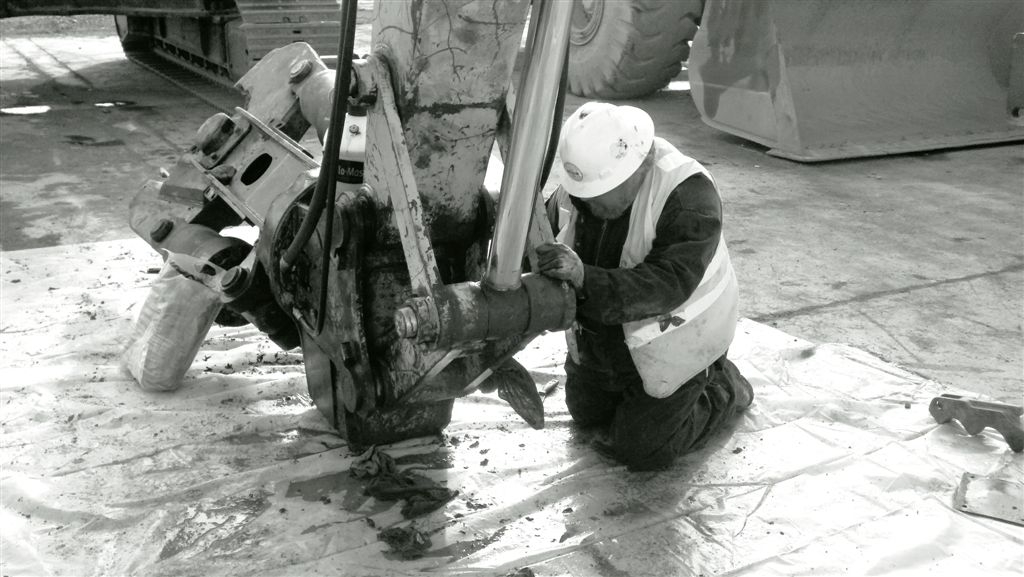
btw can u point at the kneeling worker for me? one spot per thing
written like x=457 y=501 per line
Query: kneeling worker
x=640 y=238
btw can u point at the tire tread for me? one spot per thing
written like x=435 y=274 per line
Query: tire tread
x=641 y=53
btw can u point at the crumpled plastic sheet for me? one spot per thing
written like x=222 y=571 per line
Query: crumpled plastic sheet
x=836 y=469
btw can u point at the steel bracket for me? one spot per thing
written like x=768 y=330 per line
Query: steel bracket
x=975 y=416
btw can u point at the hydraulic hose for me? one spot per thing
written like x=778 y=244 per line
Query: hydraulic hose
x=326 y=183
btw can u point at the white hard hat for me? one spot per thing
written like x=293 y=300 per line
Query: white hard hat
x=602 y=145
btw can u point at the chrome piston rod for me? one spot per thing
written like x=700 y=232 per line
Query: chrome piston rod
x=531 y=127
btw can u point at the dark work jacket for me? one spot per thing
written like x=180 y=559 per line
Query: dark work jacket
x=686 y=237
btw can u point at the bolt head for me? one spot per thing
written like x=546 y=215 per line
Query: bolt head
x=299 y=71
x=233 y=279
x=214 y=133
x=406 y=323
x=163 y=228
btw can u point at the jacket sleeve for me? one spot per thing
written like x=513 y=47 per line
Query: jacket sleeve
x=686 y=237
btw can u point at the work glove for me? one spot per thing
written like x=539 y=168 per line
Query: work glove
x=557 y=260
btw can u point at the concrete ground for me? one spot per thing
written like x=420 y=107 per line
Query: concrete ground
x=918 y=259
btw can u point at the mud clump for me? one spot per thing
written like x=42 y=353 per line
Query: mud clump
x=406 y=542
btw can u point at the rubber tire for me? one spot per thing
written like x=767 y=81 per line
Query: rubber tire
x=637 y=49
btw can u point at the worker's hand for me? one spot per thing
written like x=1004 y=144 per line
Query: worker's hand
x=557 y=260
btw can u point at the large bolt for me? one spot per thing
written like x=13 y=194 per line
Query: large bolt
x=233 y=280
x=159 y=232
x=406 y=322
x=212 y=135
x=223 y=173
x=299 y=71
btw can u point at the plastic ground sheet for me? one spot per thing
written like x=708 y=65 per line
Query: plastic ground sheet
x=836 y=469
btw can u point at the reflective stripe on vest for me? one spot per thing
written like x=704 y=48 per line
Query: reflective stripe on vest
x=670 y=349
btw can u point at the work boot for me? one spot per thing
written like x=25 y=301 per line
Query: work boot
x=743 y=393
x=516 y=387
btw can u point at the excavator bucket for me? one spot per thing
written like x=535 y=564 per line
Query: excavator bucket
x=819 y=80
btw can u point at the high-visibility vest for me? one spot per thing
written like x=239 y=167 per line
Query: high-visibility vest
x=670 y=349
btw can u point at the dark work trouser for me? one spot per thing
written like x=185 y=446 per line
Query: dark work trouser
x=649 y=433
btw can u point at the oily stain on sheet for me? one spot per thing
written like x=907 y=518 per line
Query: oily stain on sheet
x=461 y=549
x=278 y=437
x=322 y=489
x=220 y=527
